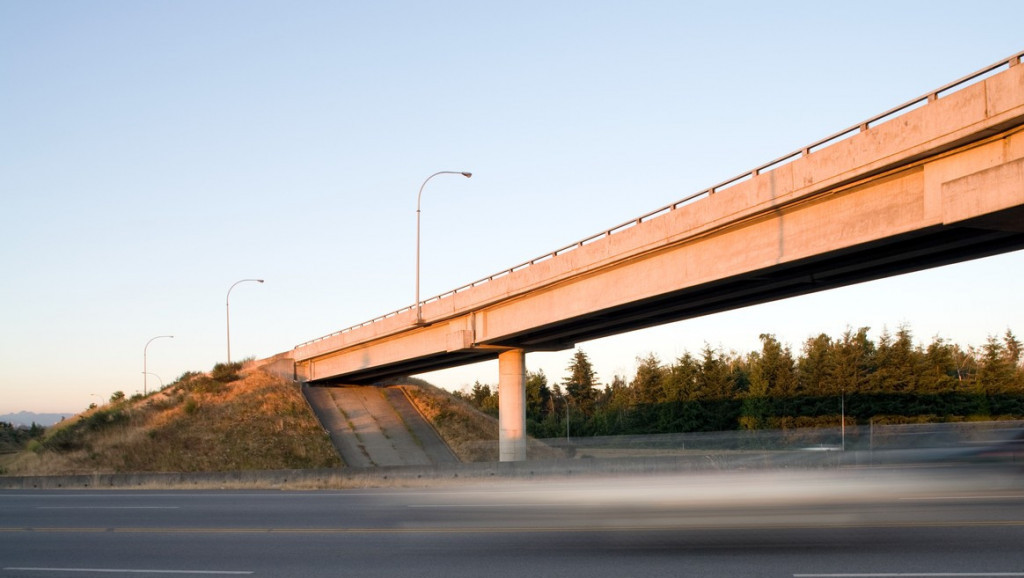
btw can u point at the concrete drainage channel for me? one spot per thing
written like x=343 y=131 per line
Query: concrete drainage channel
x=374 y=426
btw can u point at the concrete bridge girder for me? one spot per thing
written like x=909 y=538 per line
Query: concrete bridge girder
x=939 y=184
x=942 y=193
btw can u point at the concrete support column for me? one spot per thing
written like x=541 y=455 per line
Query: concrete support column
x=512 y=406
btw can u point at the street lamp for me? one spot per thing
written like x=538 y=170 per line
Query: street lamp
x=419 y=309
x=145 y=373
x=160 y=379
x=567 y=420
x=568 y=400
x=227 y=308
x=842 y=415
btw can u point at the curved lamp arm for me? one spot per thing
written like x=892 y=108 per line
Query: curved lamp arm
x=419 y=309
x=227 y=310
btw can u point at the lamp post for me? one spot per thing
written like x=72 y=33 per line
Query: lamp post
x=842 y=416
x=567 y=420
x=419 y=309
x=145 y=350
x=227 y=308
x=160 y=379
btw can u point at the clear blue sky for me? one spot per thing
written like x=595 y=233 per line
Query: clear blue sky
x=153 y=153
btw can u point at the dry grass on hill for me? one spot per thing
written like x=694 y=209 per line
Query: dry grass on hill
x=258 y=422
x=471 y=434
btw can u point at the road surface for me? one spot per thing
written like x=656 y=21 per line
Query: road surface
x=924 y=522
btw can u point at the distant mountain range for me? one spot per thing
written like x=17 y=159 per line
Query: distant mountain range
x=27 y=418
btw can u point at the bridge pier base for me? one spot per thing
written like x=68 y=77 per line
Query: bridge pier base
x=512 y=406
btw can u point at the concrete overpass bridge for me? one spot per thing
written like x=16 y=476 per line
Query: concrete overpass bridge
x=934 y=181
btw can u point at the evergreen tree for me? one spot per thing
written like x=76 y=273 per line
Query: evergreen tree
x=479 y=394
x=852 y=361
x=895 y=363
x=815 y=367
x=614 y=408
x=648 y=384
x=554 y=423
x=772 y=384
x=940 y=372
x=581 y=383
x=997 y=368
x=715 y=378
x=681 y=381
x=538 y=396
x=1016 y=354
x=1013 y=349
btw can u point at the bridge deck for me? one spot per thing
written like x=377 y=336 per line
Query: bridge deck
x=938 y=184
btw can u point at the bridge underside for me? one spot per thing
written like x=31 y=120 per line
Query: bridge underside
x=994 y=234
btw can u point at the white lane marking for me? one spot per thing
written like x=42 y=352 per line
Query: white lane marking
x=912 y=574
x=112 y=494
x=108 y=507
x=130 y=571
x=512 y=505
x=983 y=497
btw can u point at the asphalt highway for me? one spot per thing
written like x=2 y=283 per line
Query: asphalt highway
x=924 y=522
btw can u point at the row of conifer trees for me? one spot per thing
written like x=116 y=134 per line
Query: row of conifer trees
x=888 y=380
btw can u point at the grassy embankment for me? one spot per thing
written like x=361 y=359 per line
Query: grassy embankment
x=231 y=419
x=222 y=421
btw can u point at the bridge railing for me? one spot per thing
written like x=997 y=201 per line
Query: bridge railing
x=858 y=128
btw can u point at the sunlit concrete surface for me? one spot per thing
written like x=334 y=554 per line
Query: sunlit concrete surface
x=911 y=189
x=941 y=183
x=377 y=427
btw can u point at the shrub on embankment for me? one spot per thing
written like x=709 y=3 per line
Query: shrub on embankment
x=227 y=419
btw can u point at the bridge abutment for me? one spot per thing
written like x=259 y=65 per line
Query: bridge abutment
x=512 y=406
